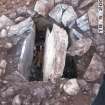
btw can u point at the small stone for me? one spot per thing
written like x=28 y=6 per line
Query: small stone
x=69 y=17
x=16 y=100
x=12 y=15
x=80 y=47
x=8 y=45
x=96 y=88
x=93 y=15
x=71 y=87
x=5 y=21
x=3 y=33
x=19 y=19
x=42 y=7
x=95 y=69
x=82 y=83
x=57 y=12
x=83 y=23
x=74 y=3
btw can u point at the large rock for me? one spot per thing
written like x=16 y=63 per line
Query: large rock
x=93 y=15
x=5 y=21
x=95 y=69
x=55 y=53
x=71 y=87
x=57 y=12
x=80 y=47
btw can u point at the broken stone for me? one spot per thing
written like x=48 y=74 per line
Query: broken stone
x=83 y=23
x=57 y=12
x=19 y=19
x=5 y=21
x=80 y=47
x=71 y=87
x=75 y=35
x=42 y=7
x=55 y=53
x=3 y=33
x=16 y=100
x=95 y=69
x=96 y=88
x=3 y=64
x=20 y=28
x=93 y=15
x=82 y=83
x=69 y=16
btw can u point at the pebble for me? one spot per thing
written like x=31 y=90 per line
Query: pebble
x=75 y=3
x=3 y=33
x=19 y=19
x=95 y=69
x=71 y=87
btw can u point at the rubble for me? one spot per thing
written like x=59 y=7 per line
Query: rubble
x=95 y=69
x=71 y=87
x=55 y=53
x=80 y=47
x=93 y=15
x=83 y=23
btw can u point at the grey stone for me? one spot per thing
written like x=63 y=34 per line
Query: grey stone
x=69 y=16
x=80 y=47
x=75 y=3
x=19 y=19
x=5 y=21
x=42 y=7
x=16 y=100
x=71 y=87
x=57 y=12
x=95 y=69
x=96 y=88
x=83 y=23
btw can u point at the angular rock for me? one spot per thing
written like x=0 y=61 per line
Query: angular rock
x=80 y=47
x=3 y=64
x=93 y=15
x=69 y=16
x=75 y=35
x=3 y=33
x=83 y=23
x=20 y=28
x=71 y=87
x=5 y=21
x=42 y=7
x=16 y=100
x=55 y=53
x=95 y=69
x=57 y=12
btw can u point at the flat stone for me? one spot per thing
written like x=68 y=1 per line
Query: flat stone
x=93 y=15
x=80 y=47
x=71 y=87
x=5 y=21
x=57 y=12
x=95 y=69
x=3 y=33
x=69 y=17
x=83 y=23
x=19 y=19
x=42 y=7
